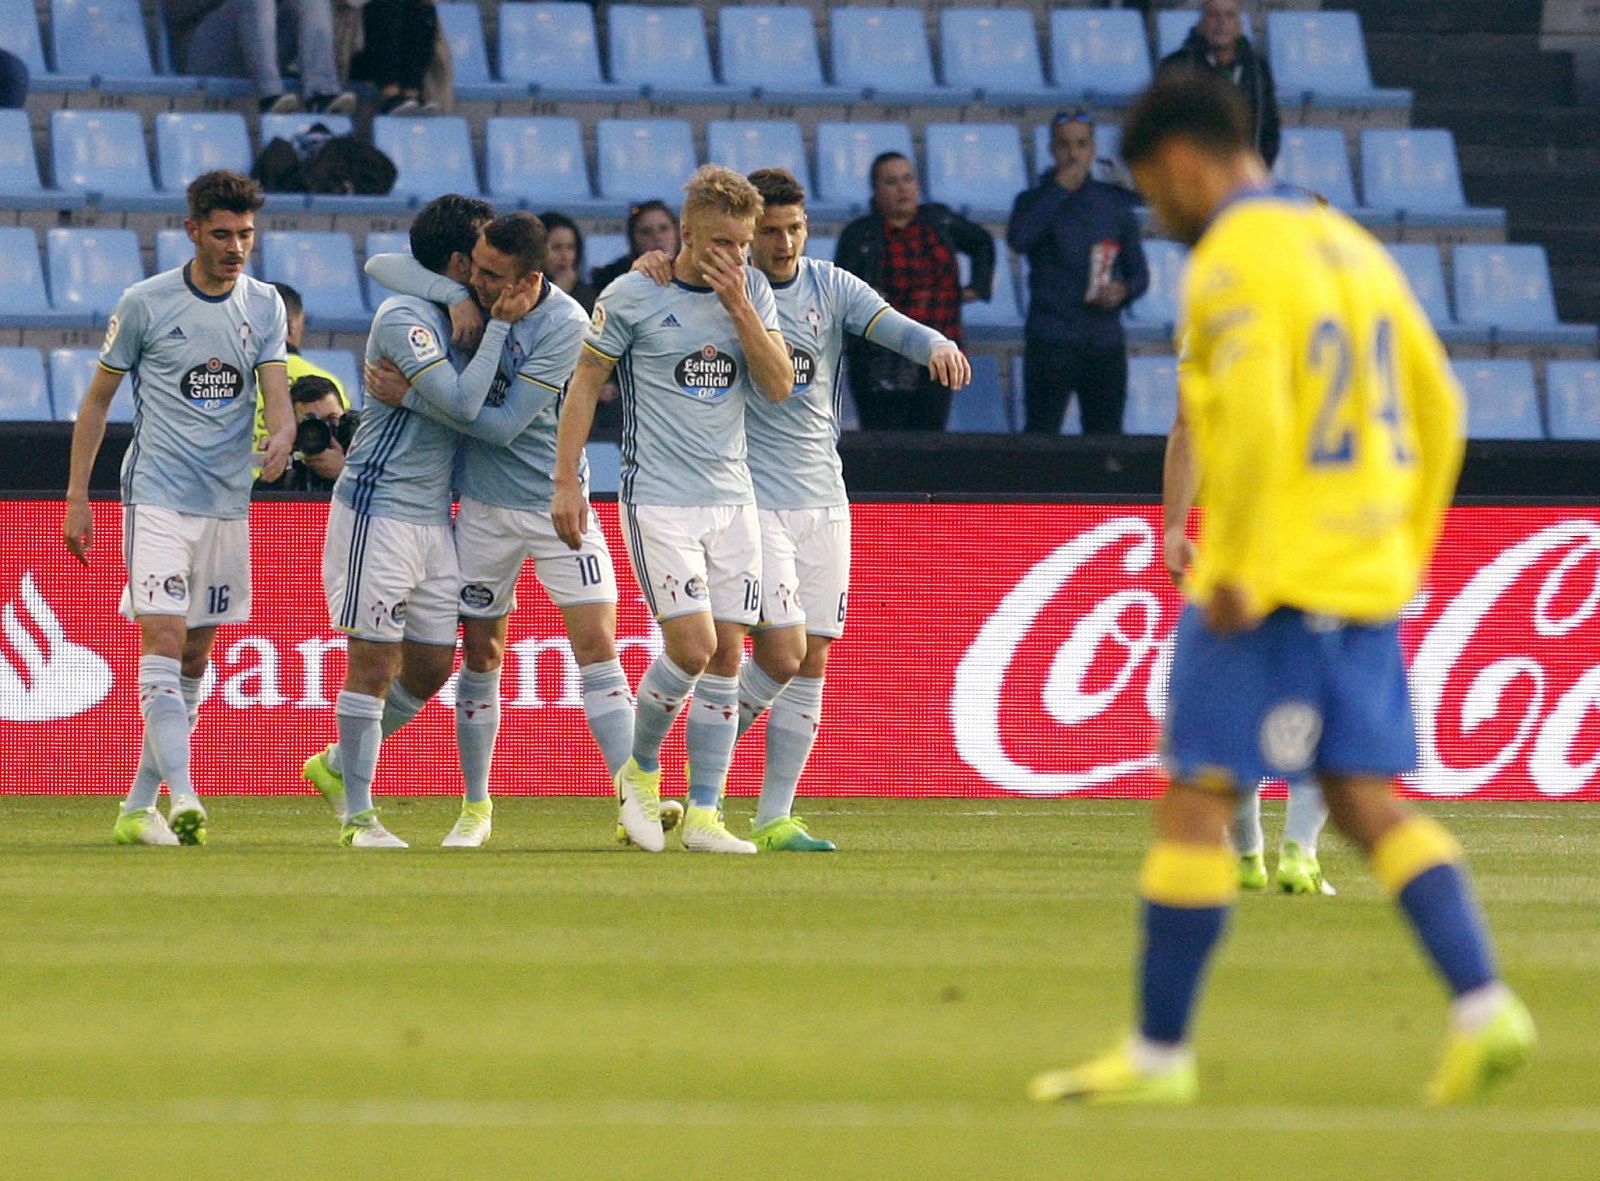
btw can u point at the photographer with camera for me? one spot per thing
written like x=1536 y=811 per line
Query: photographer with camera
x=323 y=430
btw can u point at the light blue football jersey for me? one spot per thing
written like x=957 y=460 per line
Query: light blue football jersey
x=193 y=359
x=684 y=382
x=794 y=451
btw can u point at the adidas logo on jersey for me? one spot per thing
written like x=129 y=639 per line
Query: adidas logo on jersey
x=671 y=322
x=176 y=334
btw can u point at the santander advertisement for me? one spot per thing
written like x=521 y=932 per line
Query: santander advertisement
x=991 y=650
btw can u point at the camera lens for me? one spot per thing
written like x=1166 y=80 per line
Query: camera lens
x=312 y=436
x=345 y=429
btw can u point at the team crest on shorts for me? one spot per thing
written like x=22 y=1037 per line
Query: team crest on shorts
x=398 y=613
x=1289 y=736
x=476 y=595
x=152 y=585
x=424 y=347
x=695 y=588
x=177 y=587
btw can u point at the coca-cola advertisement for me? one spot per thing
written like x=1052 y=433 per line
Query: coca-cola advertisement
x=991 y=650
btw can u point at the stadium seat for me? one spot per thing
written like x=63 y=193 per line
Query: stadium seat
x=321 y=266
x=24 y=388
x=1173 y=26
x=90 y=269
x=101 y=155
x=1572 y=395
x=462 y=26
x=1320 y=58
x=390 y=242
x=1501 y=400
x=774 y=51
x=1425 y=274
x=432 y=155
x=19 y=169
x=975 y=167
x=1415 y=174
x=552 y=48
x=105 y=40
x=537 y=162
x=71 y=371
x=1108 y=166
x=289 y=126
x=24 y=299
x=661 y=48
x=995 y=52
x=747 y=144
x=1506 y=288
x=1152 y=317
x=884 y=51
x=602 y=249
x=1099 y=55
x=980 y=407
x=845 y=152
x=641 y=159
x=1152 y=395
x=1000 y=316
x=344 y=365
x=605 y=466
x=190 y=144
x=19 y=36
x=1315 y=158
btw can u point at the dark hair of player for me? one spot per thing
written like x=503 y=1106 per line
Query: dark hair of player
x=447 y=225
x=777 y=186
x=560 y=221
x=523 y=237
x=1193 y=105
x=229 y=191
x=293 y=305
x=879 y=161
x=311 y=388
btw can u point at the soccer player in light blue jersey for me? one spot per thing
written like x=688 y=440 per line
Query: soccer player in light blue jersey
x=503 y=469
x=197 y=340
x=389 y=561
x=689 y=357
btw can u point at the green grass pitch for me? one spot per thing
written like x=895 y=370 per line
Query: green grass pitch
x=273 y=1006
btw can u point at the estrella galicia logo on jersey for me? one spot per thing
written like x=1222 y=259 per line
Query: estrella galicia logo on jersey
x=805 y=368
x=707 y=374
x=476 y=595
x=176 y=587
x=212 y=383
x=497 y=390
x=695 y=588
x=424 y=346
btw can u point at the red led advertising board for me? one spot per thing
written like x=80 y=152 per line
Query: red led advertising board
x=991 y=650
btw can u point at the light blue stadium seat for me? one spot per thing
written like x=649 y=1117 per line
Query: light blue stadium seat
x=1321 y=58
x=1173 y=26
x=603 y=249
x=1502 y=402
x=1315 y=158
x=605 y=466
x=823 y=246
x=19 y=36
x=1099 y=55
x=71 y=371
x=1506 y=288
x=640 y=159
x=1425 y=273
x=289 y=126
x=190 y=144
x=89 y=269
x=344 y=365
x=661 y=48
x=321 y=266
x=1572 y=395
x=24 y=388
x=980 y=407
x=432 y=155
x=387 y=242
x=19 y=169
x=1151 y=318
x=745 y=145
x=537 y=162
x=462 y=26
x=1000 y=316
x=884 y=51
x=975 y=167
x=24 y=299
x=552 y=47
x=1152 y=395
x=101 y=155
x=105 y=39
x=1416 y=174
x=773 y=50
x=845 y=152
x=1108 y=165
x=995 y=52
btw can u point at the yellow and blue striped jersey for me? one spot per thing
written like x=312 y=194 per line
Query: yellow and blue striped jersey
x=1326 y=425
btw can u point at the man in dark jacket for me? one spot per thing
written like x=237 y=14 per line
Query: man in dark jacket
x=1085 y=264
x=907 y=250
x=1217 y=43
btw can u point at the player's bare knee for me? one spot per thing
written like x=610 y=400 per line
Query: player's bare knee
x=424 y=668
x=780 y=652
x=370 y=666
x=815 y=663
x=1362 y=809
x=1197 y=810
x=483 y=652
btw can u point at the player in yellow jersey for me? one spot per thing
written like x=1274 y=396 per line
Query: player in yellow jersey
x=1328 y=434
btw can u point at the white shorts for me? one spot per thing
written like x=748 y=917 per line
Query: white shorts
x=492 y=542
x=805 y=568
x=179 y=564
x=390 y=580
x=696 y=559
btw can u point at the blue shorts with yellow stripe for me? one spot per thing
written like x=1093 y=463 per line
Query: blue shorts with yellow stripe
x=1297 y=693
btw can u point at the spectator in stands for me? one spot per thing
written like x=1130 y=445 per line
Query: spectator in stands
x=907 y=250
x=319 y=455
x=398 y=43
x=13 y=80
x=651 y=226
x=1217 y=43
x=241 y=37
x=1085 y=264
x=564 y=262
x=295 y=309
